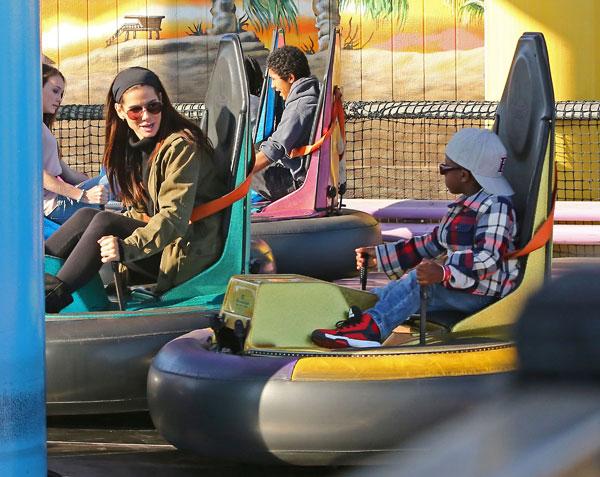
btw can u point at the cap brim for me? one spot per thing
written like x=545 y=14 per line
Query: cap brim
x=495 y=185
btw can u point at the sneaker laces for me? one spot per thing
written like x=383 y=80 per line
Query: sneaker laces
x=348 y=322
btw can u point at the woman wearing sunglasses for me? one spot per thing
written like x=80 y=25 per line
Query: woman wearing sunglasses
x=163 y=166
x=65 y=189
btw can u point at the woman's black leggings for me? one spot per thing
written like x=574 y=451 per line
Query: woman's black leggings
x=76 y=241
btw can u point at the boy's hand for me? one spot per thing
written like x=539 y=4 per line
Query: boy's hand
x=260 y=162
x=429 y=272
x=365 y=257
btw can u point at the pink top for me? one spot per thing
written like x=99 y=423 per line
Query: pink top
x=51 y=164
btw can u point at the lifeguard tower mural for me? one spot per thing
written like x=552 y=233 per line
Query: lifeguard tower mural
x=150 y=24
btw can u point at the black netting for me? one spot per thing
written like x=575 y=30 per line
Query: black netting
x=578 y=150
x=393 y=148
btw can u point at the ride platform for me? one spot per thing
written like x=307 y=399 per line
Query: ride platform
x=128 y=445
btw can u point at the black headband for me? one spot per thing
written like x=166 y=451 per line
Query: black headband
x=132 y=77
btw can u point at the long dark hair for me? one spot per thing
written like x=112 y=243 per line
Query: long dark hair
x=128 y=177
x=47 y=73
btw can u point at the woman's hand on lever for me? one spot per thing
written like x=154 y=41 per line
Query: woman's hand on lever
x=96 y=195
x=365 y=257
x=109 y=249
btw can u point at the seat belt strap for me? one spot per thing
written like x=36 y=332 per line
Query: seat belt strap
x=201 y=211
x=337 y=115
x=542 y=235
x=216 y=205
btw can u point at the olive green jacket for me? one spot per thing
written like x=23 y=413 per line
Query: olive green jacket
x=181 y=176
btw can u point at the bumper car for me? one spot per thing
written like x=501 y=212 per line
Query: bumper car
x=254 y=388
x=98 y=353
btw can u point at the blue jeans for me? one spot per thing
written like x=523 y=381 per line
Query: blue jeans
x=401 y=298
x=67 y=207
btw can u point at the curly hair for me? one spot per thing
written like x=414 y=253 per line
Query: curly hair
x=288 y=60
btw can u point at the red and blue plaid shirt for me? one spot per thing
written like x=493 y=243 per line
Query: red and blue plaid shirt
x=476 y=233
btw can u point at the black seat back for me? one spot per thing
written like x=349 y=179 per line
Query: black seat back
x=524 y=122
x=226 y=103
x=225 y=123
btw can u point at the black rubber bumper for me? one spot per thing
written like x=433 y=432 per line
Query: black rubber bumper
x=321 y=247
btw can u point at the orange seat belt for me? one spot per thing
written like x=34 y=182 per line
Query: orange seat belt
x=207 y=209
x=542 y=234
x=211 y=207
x=337 y=114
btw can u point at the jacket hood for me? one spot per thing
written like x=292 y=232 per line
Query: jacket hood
x=308 y=86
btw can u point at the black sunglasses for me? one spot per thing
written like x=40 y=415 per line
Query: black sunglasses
x=445 y=168
x=135 y=112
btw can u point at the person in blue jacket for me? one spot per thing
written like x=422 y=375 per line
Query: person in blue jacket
x=276 y=174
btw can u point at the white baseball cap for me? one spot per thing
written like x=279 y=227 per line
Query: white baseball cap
x=482 y=153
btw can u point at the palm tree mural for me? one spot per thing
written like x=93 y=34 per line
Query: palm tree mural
x=396 y=10
x=470 y=11
x=282 y=13
x=327 y=13
x=262 y=14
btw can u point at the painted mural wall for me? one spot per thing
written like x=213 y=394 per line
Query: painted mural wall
x=392 y=49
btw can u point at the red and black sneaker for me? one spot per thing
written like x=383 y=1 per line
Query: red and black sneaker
x=356 y=332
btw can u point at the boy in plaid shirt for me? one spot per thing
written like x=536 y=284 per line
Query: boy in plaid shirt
x=476 y=234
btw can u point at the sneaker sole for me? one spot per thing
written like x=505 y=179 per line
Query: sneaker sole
x=326 y=340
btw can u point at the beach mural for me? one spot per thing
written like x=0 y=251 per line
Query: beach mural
x=392 y=49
